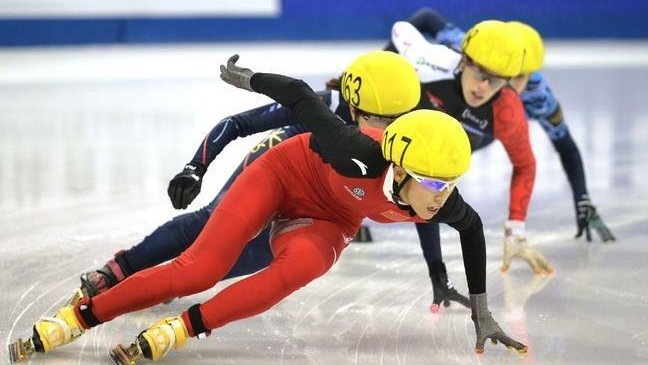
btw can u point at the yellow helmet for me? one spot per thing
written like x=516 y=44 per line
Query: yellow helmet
x=381 y=83
x=496 y=46
x=534 y=58
x=427 y=142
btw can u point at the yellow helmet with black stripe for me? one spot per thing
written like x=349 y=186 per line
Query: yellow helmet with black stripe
x=534 y=57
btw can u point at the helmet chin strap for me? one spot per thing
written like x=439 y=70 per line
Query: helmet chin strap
x=396 y=189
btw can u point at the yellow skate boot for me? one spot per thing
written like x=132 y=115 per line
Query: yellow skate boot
x=153 y=343
x=50 y=332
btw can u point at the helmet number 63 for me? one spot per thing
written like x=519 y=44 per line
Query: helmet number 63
x=351 y=85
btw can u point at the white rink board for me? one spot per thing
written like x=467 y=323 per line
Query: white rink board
x=131 y=8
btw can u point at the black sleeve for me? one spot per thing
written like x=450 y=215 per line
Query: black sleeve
x=462 y=217
x=425 y=20
x=430 y=241
x=345 y=147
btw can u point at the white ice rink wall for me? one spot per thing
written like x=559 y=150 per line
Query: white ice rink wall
x=138 y=8
x=32 y=22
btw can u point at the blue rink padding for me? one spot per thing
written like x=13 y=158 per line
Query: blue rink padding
x=333 y=20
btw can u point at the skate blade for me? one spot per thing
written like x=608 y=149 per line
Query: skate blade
x=20 y=350
x=125 y=356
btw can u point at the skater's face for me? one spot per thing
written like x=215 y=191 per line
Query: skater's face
x=478 y=85
x=426 y=203
x=519 y=82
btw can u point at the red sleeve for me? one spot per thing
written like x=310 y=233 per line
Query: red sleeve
x=512 y=129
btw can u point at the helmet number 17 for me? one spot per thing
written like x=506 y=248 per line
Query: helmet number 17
x=389 y=142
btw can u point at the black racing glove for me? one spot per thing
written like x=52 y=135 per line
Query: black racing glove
x=185 y=186
x=486 y=327
x=236 y=76
x=587 y=218
x=445 y=292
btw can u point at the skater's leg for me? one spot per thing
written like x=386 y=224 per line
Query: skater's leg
x=173 y=237
x=243 y=212
x=166 y=242
x=163 y=244
x=306 y=250
x=301 y=255
x=256 y=255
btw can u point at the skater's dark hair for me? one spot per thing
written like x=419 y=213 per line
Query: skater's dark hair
x=334 y=84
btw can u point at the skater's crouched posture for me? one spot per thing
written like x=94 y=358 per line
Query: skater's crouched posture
x=315 y=189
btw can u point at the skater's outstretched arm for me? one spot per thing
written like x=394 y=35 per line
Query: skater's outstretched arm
x=541 y=104
x=464 y=219
x=442 y=288
x=336 y=142
x=243 y=124
x=186 y=185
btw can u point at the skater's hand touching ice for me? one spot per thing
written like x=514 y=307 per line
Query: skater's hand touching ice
x=235 y=75
x=515 y=245
x=588 y=218
x=445 y=292
x=486 y=327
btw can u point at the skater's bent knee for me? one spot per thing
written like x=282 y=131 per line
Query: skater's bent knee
x=299 y=273
x=195 y=277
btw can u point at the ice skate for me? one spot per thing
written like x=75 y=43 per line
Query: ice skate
x=20 y=350
x=126 y=355
x=98 y=281
x=50 y=332
x=153 y=343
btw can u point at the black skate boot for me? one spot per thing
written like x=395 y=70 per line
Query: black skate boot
x=98 y=281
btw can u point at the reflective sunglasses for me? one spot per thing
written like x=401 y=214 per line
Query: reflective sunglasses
x=480 y=74
x=433 y=184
